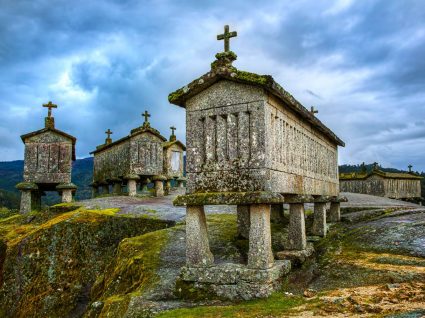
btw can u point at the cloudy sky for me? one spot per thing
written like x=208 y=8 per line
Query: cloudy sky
x=361 y=63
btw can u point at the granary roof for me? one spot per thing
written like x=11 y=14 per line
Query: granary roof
x=57 y=131
x=387 y=175
x=222 y=69
x=134 y=132
x=168 y=144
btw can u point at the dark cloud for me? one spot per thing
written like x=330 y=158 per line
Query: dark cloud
x=104 y=62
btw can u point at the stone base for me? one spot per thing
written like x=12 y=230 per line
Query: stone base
x=297 y=258
x=236 y=281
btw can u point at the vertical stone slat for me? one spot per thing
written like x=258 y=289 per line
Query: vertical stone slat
x=210 y=136
x=54 y=158
x=232 y=136
x=221 y=138
x=244 y=136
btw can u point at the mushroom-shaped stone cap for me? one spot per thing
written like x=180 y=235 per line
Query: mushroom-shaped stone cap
x=159 y=178
x=66 y=186
x=131 y=176
x=26 y=186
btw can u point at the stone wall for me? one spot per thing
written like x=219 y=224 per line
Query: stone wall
x=234 y=143
x=146 y=154
x=48 y=158
x=384 y=187
x=113 y=162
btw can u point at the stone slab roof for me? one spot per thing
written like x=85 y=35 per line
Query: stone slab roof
x=57 y=131
x=386 y=175
x=168 y=144
x=222 y=69
x=134 y=132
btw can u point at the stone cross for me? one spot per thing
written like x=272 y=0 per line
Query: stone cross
x=226 y=37
x=375 y=166
x=50 y=105
x=172 y=130
x=313 y=111
x=109 y=133
x=146 y=115
x=410 y=168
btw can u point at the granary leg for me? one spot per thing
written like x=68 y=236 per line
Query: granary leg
x=159 y=188
x=296 y=237
x=319 y=222
x=26 y=201
x=132 y=187
x=260 y=255
x=180 y=182
x=335 y=212
x=167 y=187
x=243 y=221
x=67 y=196
x=198 y=252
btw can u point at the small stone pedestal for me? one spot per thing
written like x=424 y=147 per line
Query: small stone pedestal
x=319 y=222
x=28 y=192
x=132 y=184
x=335 y=212
x=159 y=185
x=180 y=182
x=66 y=190
x=297 y=239
x=167 y=189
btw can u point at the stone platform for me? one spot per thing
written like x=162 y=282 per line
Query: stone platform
x=236 y=281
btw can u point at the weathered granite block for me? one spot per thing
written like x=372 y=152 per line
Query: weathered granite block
x=297 y=239
x=260 y=255
x=335 y=212
x=198 y=252
x=319 y=221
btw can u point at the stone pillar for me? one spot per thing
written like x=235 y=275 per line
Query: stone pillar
x=243 y=221
x=66 y=196
x=198 y=252
x=132 y=187
x=319 y=222
x=159 y=188
x=297 y=239
x=26 y=202
x=117 y=188
x=335 y=212
x=260 y=255
x=167 y=187
x=180 y=183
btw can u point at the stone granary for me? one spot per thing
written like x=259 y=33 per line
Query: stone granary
x=404 y=186
x=49 y=153
x=173 y=160
x=251 y=144
x=138 y=158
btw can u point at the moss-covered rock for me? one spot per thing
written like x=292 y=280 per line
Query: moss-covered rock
x=49 y=266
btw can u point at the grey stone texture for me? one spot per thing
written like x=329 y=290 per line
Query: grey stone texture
x=297 y=239
x=132 y=187
x=260 y=254
x=335 y=212
x=198 y=252
x=243 y=221
x=297 y=257
x=236 y=281
x=384 y=184
x=141 y=155
x=67 y=196
x=49 y=153
x=319 y=219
